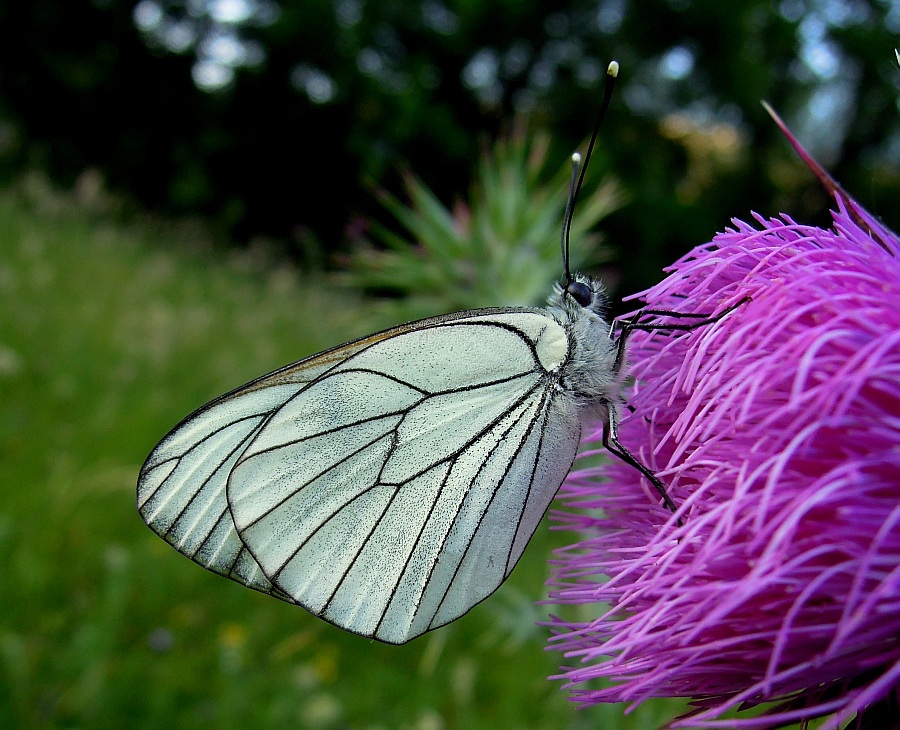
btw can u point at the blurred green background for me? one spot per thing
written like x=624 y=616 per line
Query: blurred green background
x=193 y=193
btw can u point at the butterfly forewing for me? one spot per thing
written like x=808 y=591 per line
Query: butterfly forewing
x=388 y=485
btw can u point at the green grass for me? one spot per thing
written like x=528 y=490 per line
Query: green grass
x=110 y=332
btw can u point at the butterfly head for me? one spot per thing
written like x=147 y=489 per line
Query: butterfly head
x=582 y=293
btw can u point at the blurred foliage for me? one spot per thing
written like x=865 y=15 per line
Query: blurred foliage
x=266 y=114
x=500 y=246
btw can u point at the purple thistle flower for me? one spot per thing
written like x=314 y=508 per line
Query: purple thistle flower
x=777 y=430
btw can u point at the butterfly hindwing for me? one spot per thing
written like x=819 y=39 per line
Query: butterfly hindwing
x=181 y=487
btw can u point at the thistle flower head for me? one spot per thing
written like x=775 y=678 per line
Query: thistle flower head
x=777 y=431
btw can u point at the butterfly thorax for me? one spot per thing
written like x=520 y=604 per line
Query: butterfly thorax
x=590 y=374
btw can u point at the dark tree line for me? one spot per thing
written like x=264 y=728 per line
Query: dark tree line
x=318 y=96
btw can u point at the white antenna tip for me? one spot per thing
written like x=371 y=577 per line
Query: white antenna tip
x=576 y=158
x=613 y=69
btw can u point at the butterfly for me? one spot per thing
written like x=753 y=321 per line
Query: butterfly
x=390 y=484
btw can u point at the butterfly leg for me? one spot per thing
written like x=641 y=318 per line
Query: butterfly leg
x=635 y=323
x=610 y=430
x=615 y=447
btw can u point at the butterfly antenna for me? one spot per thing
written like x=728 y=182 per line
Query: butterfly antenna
x=612 y=73
x=567 y=218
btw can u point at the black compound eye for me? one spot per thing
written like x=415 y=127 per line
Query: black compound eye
x=580 y=292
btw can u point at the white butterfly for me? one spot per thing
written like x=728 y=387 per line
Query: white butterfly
x=390 y=484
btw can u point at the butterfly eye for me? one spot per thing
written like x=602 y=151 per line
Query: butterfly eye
x=580 y=292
